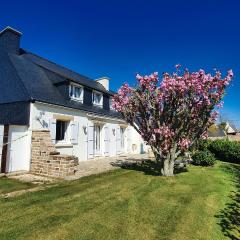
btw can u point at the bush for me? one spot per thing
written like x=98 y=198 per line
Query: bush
x=203 y=144
x=203 y=158
x=225 y=150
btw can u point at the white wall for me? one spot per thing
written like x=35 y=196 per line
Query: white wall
x=19 y=149
x=80 y=149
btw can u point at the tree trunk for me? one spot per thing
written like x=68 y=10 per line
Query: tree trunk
x=166 y=164
x=168 y=167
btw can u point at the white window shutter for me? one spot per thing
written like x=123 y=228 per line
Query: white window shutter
x=106 y=141
x=129 y=142
x=90 y=133
x=74 y=132
x=52 y=128
x=118 y=135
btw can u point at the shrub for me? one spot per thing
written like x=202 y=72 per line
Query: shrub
x=203 y=158
x=225 y=150
x=203 y=144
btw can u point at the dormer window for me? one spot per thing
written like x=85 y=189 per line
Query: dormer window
x=76 y=92
x=111 y=103
x=97 y=99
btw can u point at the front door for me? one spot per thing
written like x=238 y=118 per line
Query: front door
x=97 y=140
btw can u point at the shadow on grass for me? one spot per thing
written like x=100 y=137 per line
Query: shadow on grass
x=229 y=217
x=145 y=165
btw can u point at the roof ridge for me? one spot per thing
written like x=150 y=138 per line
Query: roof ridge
x=52 y=62
x=36 y=59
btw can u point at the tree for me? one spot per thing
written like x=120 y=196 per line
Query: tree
x=172 y=114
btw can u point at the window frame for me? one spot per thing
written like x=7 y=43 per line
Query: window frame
x=111 y=103
x=74 y=86
x=66 y=138
x=100 y=104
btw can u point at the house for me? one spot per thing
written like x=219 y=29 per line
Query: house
x=41 y=100
x=230 y=128
x=216 y=132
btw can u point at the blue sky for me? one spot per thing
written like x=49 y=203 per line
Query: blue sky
x=118 y=38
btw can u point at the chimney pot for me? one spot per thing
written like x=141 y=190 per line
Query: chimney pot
x=104 y=81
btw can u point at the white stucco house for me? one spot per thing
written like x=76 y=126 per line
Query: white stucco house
x=37 y=94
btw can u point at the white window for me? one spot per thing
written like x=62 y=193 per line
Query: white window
x=97 y=99
x=62 y=131
x=122 y=130
x=111 y=104
x=97 y=139
x=76 y=92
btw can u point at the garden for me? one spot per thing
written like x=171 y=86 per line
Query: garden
x=201 y=201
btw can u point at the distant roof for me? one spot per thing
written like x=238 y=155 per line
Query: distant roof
x=216 y=131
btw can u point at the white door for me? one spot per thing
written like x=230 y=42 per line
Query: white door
x=122 y=136
x=97 y=140
x=18 y=156
x=118 y=138
x=106 y=141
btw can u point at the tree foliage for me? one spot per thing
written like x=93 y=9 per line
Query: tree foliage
x=173 y=113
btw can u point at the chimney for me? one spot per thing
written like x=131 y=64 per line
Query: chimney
x=10 y=40
x=104 y=81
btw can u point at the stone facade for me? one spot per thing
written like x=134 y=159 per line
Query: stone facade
x=46 y=161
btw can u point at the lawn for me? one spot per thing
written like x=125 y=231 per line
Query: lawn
x=202 y=203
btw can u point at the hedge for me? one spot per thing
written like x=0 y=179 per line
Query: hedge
x=224 y=150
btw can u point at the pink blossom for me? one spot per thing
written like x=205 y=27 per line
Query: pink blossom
x=230 y=73
x=175 y=110
x=184 y=143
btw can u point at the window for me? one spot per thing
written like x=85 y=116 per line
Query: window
x=97 y=99
x=122 y=130
x=76 y=92
x=97 y=139
x=111 y=104
x=61 y=130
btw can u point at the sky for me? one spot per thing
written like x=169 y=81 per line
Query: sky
x=119 y=38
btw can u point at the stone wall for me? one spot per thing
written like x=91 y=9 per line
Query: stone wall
x=46 y=161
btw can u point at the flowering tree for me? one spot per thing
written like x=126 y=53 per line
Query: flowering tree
x=172 y=114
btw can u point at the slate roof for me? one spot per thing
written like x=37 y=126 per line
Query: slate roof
x=64 y=72
x=28 y=77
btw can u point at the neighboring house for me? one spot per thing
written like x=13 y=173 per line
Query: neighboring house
x=39 y=95
x=215 y=132
x=230 y=128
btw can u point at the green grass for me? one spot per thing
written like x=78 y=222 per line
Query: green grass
x=10 y=185
x=128 y=204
